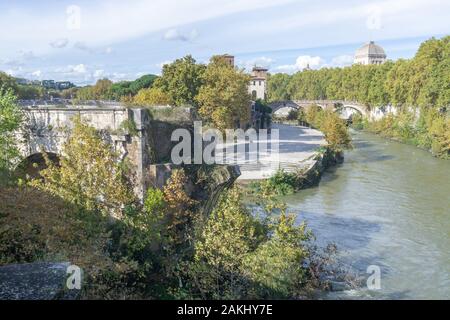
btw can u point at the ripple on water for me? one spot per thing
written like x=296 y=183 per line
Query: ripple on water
x=387 y=205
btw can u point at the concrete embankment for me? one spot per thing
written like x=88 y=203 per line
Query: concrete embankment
x=301 y=151
x=293 y=150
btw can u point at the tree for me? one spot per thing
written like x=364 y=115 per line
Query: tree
x=224 y=99
x=277 y=87
x=152 y=97
x=28 y=92
x=277 y=265
x=7 y=82
x=100 y=91
x=143 y=82
x=125 y=89
x=336 y=132
x=178 y=208
x=89 y=175
x=229 y=235
x=11 y=118
x=181 y=80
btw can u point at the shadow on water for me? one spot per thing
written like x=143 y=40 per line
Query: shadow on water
x=347 y=233
x=378 y=157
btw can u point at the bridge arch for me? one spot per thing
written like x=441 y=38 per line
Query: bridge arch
x=34 y=163
x=332 y=105
x=283 y=108
x=346 y=111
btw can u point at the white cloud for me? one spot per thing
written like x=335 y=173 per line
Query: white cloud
x=373 y=21
x=162 y=64
x=342 y=61
x=72 y=69
x=99 y=74
x=37 y=74
x=13 y=72
x=59 y=43
x=107 y=22
x=301 y=63
x=259 y=62
x=80 y=68
x=176 y=35
x=20 y=59
x=81 y=45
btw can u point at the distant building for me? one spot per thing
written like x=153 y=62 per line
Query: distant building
x=61 y=85
x=258 y=83
x=229 y=59
x=57 y=85
x=22 y=81
x=49 y=84
x=370 y=53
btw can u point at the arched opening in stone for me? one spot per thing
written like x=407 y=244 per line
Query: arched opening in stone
x=32 y=165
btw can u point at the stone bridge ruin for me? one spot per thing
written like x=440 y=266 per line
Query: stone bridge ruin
x=147 y=149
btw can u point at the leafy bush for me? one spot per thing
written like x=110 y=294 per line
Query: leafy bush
x=239 y=255
x=89 y=175
x=430 y=131
x=11 y=119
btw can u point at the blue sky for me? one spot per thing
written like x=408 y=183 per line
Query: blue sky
x=83 y=41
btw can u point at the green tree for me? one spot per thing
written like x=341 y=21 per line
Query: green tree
x=28 y=92
x=152 y=97
x=126 y=89
x=224 y=99
x=277 y=87
x=7 y=82
x=11 y=118
x=100 y=91
x=181 y=80
x=89 y=175
x=336 y=132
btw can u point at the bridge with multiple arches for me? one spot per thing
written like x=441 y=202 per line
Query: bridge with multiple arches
x=346 y=109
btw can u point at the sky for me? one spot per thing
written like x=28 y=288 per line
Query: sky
x=82 y=41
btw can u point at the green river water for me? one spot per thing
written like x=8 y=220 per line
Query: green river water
x=387 y=205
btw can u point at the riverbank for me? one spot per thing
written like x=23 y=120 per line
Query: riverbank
x=303 y=156
x=295 y=149
x=430 y=130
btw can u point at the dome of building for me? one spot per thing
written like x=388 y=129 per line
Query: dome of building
x=370 y=53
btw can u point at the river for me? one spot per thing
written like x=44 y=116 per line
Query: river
x=387 y=205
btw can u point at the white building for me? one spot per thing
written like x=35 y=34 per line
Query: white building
x=370 y=53
x=258 y=83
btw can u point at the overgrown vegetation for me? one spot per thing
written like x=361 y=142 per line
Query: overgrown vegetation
x=82 y=210
x=430 y=129
x=420 y=82
x=11 y=119
x=419 y=88
x=282 y=183
x=333 y=127
x=224 y=100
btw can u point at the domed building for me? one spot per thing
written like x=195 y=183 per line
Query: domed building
x=370 y=53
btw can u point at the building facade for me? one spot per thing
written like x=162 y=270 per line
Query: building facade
x=370 y=53
x=258 y=83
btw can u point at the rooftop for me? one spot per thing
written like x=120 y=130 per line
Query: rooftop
x=370 y=49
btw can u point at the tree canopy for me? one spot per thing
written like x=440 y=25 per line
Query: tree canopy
x=224 y=99
x=423 y=81
x=10 y=120
x=182 y=80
